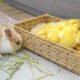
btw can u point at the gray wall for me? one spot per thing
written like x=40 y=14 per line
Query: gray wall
x=61 y=8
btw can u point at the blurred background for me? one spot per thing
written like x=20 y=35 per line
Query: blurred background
x=60 y=8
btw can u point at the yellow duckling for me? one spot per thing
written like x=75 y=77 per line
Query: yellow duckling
x=78 y=37
x=53 y=34
x=67 y=38
x=38 y=28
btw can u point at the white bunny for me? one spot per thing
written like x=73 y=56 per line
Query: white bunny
x=10 y=40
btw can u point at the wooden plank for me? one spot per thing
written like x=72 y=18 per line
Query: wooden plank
x=14 y=12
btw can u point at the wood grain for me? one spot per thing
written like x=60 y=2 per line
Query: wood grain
x=13 y=12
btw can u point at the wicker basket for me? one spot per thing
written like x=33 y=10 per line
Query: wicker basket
x=65 y=57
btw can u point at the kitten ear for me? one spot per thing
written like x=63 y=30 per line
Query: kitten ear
x=8 y=33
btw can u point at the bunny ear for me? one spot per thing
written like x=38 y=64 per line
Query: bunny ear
x=8 y=33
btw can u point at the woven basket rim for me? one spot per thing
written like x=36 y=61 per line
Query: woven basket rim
x=44 y=15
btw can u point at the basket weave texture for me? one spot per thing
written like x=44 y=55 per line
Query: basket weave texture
x=67 y=58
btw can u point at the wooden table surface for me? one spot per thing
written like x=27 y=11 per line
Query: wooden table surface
x=13 y=12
